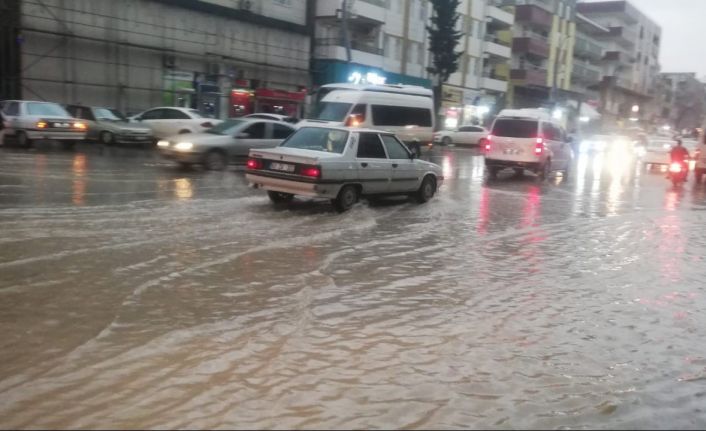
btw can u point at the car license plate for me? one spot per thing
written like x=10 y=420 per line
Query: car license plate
x=512 y=151
x=284 y=167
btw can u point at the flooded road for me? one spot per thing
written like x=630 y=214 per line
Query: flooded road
x=136 y=295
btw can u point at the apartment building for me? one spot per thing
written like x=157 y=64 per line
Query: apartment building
x=630 y=60
x=542 y=51
x=389 y=43
x=143 y=53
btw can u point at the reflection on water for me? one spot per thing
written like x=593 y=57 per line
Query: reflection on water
x=184 y=189
x=78 y=169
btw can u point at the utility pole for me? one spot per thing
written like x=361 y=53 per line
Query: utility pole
x=555 y=79
x=344 y=30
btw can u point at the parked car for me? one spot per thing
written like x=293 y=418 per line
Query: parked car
x=169 y=121
x=276 y=117
x=464 y=135
x=108 y=126
x=406 y=111
x=27 y=121
x=527 y=139
x=228 y=142
x=341 y=164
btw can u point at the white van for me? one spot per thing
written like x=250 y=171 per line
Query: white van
x=401 y=111
x=527 y=139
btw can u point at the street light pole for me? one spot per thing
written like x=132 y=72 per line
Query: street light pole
x=555 y=79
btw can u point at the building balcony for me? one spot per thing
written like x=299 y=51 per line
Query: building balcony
x=621 y=10
x=362 y=53
x=372 y=11
x=492 y=84
x=498 y=17
x=496 y=48
x=587 y=48
x=624 y=36
x=618 y=57
x=585 y=73
x=534 y=16
x=531 y=45
x=533 y=76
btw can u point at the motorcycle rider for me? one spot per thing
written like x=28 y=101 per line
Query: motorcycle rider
x=680 y=155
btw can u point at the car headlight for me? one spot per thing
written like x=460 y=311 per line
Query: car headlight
x=184 y=146
x=163 y=144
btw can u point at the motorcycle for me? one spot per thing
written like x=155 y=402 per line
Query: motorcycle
x=678 y=173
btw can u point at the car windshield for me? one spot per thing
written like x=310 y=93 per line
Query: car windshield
x=106 y=114
x=318 y=139
x=512 y=128
x=333 y=111
x=228 y=127
x=49 y=109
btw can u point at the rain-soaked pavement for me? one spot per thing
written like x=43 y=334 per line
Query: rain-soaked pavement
x=136 y=295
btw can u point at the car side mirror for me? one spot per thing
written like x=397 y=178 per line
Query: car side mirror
x=242 y=135
x=412 y=155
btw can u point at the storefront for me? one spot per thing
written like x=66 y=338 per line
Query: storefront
x=463 y=106
x=268 y=100
x=332 y=71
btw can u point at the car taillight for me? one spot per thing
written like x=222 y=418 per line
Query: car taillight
x=41 y=125
x=254 y=164
x=539 y=146
x=207 y=124
x=310 y=171
x=488 y=143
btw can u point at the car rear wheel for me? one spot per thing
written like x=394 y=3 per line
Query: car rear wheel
x=279 y=197
x=426 y=190
x=215 y=161
x=545 y=170
x=446 y=140
x=23 y=140
x=347 y=197
x=106 y=138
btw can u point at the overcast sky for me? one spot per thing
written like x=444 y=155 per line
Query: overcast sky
x=683 y=33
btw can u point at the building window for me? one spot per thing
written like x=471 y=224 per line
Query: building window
x=398 y=49
x=421 y=53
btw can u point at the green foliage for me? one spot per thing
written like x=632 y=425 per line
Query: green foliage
x=443 y=38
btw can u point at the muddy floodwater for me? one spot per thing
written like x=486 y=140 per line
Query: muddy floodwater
x=137 y=295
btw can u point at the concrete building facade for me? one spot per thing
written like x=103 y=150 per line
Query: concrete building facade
x=137 y=54
x=630 y=61
x=680 y=101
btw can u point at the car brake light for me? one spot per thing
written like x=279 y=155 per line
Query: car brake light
x=207 y=124
x=539 y=146
x=310 y=171
x=41 y=125
x=488 y=142
x=254 y=164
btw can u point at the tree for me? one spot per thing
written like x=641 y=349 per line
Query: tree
x=443 y=39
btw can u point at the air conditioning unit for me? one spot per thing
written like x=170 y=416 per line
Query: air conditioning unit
x=169 y=61
x=245 y=4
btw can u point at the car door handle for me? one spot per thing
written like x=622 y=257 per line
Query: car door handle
x=365 y=165
x=394 y=165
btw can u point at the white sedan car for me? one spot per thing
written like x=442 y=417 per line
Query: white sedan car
x=464 y=135
x=657 y=151
x=169 y=121
x=342 y=165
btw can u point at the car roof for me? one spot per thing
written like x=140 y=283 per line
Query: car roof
x=348 y=129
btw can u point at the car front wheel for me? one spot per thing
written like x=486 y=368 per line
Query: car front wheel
x=106 y=138
x=23 y=140
x=347 y=197
x=215 y=161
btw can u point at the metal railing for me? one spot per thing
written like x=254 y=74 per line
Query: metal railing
x=355 y=44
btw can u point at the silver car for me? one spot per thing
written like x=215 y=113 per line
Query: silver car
x=27 y=121
x=108 y=126
x=342 y=164
x=228 y=142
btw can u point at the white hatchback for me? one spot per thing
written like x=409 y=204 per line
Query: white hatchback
x=170 y=121
x=527 y=139
x=464 y=135
x=341 y=164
